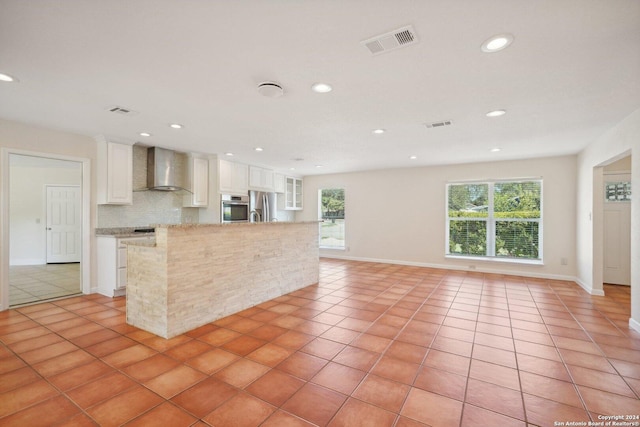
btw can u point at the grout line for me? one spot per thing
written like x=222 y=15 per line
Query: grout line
x=555 y=345
x=386 y=348
x=602 y=353
x=396 y=281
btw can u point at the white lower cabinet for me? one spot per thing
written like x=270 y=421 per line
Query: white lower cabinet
x=112 y=263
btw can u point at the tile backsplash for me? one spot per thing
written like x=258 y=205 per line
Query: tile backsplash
x=149 y=207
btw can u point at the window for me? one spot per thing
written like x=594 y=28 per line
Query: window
x=331 y=202
x=617 y=191
x=499 y=219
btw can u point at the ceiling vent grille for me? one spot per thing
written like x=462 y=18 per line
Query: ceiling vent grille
x=396 y=39
x=122 y=111
x=441 y=123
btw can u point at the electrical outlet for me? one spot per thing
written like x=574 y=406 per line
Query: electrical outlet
x=564 y=261
x=472 y=267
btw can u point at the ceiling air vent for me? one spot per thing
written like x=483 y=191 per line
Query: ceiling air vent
x=121 y=110
x=439 y=124
x=396 y=39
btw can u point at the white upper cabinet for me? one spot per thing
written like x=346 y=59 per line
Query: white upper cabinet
x=297 y=202
x=233 y=178
x=278 y=183
x=115 y=173
x=260 y=179
x=197 y=182
x=293 y=194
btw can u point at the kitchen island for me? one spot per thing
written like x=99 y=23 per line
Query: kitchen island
x=197 y=273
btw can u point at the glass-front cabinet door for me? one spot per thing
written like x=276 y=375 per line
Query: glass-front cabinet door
x=293 y=193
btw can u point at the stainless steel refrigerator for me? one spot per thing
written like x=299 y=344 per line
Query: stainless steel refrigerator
x=262 y=206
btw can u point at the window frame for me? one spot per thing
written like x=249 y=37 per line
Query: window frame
x=491 y=221
x=321 y=220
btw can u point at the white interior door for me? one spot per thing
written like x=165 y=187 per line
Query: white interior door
x=617 y=237
x=63 y=224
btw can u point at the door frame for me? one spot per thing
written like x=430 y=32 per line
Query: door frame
x=597 y=221
x=85 y=259
x=604 y=205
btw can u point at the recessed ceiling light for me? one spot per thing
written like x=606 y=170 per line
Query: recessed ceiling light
x=228 y=154
x=378 y=131
x=321 y=87
x=292 y=169
x=176 y=126
x=145 y=134
x=258 y=149
x=7 y=78
x=318 y=166
x=497 y=43
x=495 y=150
x=413 y=157
x=496 y=113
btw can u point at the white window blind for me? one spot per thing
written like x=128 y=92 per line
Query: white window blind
x=500 y=219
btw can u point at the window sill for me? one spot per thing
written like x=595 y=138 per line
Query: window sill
x=497 y=259
x=332 y=248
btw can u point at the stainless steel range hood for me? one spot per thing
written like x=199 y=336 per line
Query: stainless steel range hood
x=161 y=170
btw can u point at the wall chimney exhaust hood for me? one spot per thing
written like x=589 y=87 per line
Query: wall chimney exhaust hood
x=161 y=170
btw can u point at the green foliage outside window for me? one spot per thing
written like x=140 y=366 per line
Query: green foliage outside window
x=332 y=213
x=332 y=203
x=515 y=217
x=468 y=237
x=517 y=239
x=517 y=199
x=471 y=199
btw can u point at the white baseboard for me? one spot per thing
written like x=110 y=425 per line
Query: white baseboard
x=22 y=261
x=634 y=324
x=458 y=268
x=588 y=288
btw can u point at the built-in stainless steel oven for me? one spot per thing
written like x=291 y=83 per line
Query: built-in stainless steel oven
x=234 y=208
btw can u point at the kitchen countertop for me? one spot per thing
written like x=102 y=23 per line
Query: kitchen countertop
x=231 y=224
x=130 y=231
x=124 y=232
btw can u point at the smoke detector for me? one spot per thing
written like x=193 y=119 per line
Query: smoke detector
x=270 y=90
x=392 y=40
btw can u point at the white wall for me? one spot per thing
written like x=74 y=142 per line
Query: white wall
x=622 y=140
x=27 y=211
x=622 y=165
x=27 y=138
x=398 y=215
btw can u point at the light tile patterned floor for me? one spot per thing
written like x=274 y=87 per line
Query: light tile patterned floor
x=371 y=345
x=32 y=283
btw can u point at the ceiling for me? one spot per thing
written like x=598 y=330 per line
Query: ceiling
x=571 y=73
